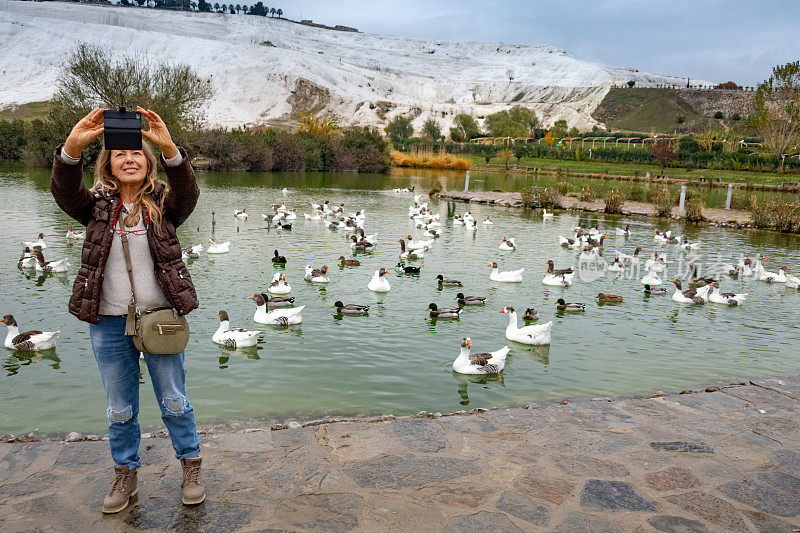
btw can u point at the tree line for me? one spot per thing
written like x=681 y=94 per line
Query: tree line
x=203 y=6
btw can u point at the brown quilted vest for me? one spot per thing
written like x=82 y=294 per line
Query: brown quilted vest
x=95 y=210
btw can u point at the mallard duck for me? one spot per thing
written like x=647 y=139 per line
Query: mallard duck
x=609 y=298
x=379 y=283
x=657 y=290
x=39 y=243
x=408 y=269
x=272 y=301
x=55 y=267
x=236 y=337
x=561 y=305
x=279 y=285
x=33 y=340
x=75 y=234
x=510 y=276
x=535 y=335
x=444 y=312
x=279 y=259
x=448 y=282
x=241 y=215
x=470 y=300
x=221 y=248
x=28 y=260
x=727 y=298
x=350 y=309
x=530 y=314
x=479 y=363
x=348 y=262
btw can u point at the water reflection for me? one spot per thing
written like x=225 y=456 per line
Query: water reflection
x=19 y=359
x=485 y=380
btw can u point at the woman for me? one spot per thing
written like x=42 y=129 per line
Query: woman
x=128 y=197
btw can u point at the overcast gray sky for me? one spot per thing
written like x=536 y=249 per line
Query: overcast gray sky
x=713 y=40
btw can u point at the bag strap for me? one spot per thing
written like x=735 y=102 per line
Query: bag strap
x=130 y=320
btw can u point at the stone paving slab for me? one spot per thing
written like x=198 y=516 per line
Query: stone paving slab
x=724 y=460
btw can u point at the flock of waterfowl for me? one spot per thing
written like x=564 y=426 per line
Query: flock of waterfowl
x=275 y=307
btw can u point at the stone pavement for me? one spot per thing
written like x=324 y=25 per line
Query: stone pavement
x=723 y=460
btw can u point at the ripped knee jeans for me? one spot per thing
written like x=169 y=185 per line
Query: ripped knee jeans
x=118 y=361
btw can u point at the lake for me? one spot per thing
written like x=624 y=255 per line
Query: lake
x=395 y=360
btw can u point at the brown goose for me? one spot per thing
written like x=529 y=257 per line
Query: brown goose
x=551 y=269
x=272 y=301
x=32 y=340
x=695 y=280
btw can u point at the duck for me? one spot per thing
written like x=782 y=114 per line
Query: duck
x=688 y=296
x=727 y=298
x=75 y=234
x=469 y=300
x=191 y=253
x=272 y=301
x=286 y=316
x=769 y=277
x=510 y=276
x=654 y=290
x=317 y=275
x=348 y=262
x=561 y=305
x=487 y=222
x=479 y=363
x=695 y=280
x=534 y=335
x=312 y=216
x=241 y=215
x=236 y=337
x=561 y=278
x=379 y=282
x=360 y=244
x=55 y=267
x=442 y=282
x=545 y=214
x=33 y=244
x=530 y=314
x=279 y=284
x=444 y=312
x=285 y=225
x=28 y=260
x=508 y=244
x=651 y=278
x=221 y=248
x=350 y=309
x=609 y=298
x=617 y=265
x=624 y=232
x=33 y=340
x=278 y=259
x=411 y=254
x=408 y=269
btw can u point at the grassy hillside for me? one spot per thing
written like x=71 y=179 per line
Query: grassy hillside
x=30 y=111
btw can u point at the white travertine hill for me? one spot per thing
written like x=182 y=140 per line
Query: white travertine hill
x=267 y=69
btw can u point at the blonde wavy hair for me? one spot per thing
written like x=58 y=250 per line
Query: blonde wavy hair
x=145 y=199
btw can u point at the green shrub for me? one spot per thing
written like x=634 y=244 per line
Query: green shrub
x=549 y=198
x=776 y=215
x=614 y=201
x=587 y=194
x=694 y=209
x=637 y=193
x=563 y=187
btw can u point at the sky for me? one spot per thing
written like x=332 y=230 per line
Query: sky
x=713 y=40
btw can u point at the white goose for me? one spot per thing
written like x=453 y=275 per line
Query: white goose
x=409 y=254
x=771 y=277
x=727 y=298
x=28 y=260
x=29 y=340
x=233 y=338
x=221 y=248
x=511 y=276
x=284 y=316
x=545 y=214
x=508 y=244
x=792 y=282
x=479 y=363
x=487 y=222
x=55 y=267
x=419 y=245
x=317 y=275
x=536 y=335
x=313 y=216
x=75 y=234
x=558 y=278
x=379 y=283
x=40 y=243
x=241 y=215
x=651 y=278
x=279 y=284
x=689 y=296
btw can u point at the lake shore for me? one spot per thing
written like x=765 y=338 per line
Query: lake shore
x=720 y=458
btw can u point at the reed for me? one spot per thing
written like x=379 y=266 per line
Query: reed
x=427 y=158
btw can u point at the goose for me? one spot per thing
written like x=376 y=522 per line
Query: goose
x=447 y=282
x=33 y=340
x=233 y=338
x=418 y=245
x=411 y=254
x=285 y=190
x=727 y=298
x=624 y=232
x=241 y=215
x=379 y=283
x=510 y=276
x=565 y=242
x=290 y=214
x=658 y=236
x=597 y=243
x=651 y=278
x=221 y=248
x=191 y=253
x=348 y=262
x=530 y=314
x=479 y=363
x=469 y=300
x=651 y=290
x=562 y=277
x=40 y=243
x=444 y=312
x=508 y=244
x=758 y=267
x=360 y=245
x=617 y=265
x=689 y=296
x=313 y=216
x=335 y=224
x=656 y=263
x=279 y=284
x=792 y=282
x=695 y=280
x=625 y=259
x=743 y=268
x=589 y=254
x=545 y=214
x=75 y=234
x=278 y=259
x=536 y=335
x=458 y=221
x=430 y=233
x=272 y=301
x=561 y=305
x=350 y=309
x=635 y=258
x=686 y=245
x=286 y=316
x=55 y=267
x=28 y=260
x=609 y=298
x=317 y=275
x=487 y=222
x=769 y=277
x=408 y=269
x=372 y=238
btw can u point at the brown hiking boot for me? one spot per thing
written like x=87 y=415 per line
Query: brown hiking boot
x=192 y=485
x=124 y=490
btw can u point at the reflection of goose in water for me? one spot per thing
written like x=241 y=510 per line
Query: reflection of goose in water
x=19 y=359
x=464 y=380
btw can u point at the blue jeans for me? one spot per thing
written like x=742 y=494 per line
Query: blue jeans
x=118 y=360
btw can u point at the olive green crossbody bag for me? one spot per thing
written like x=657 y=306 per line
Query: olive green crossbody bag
x=158 y=330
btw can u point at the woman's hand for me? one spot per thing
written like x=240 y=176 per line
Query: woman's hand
x=158 y=133
x=84 y=132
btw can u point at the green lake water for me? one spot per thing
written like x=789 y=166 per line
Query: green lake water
x=396 y=360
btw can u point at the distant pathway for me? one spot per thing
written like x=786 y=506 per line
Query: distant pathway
x=725 y=460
